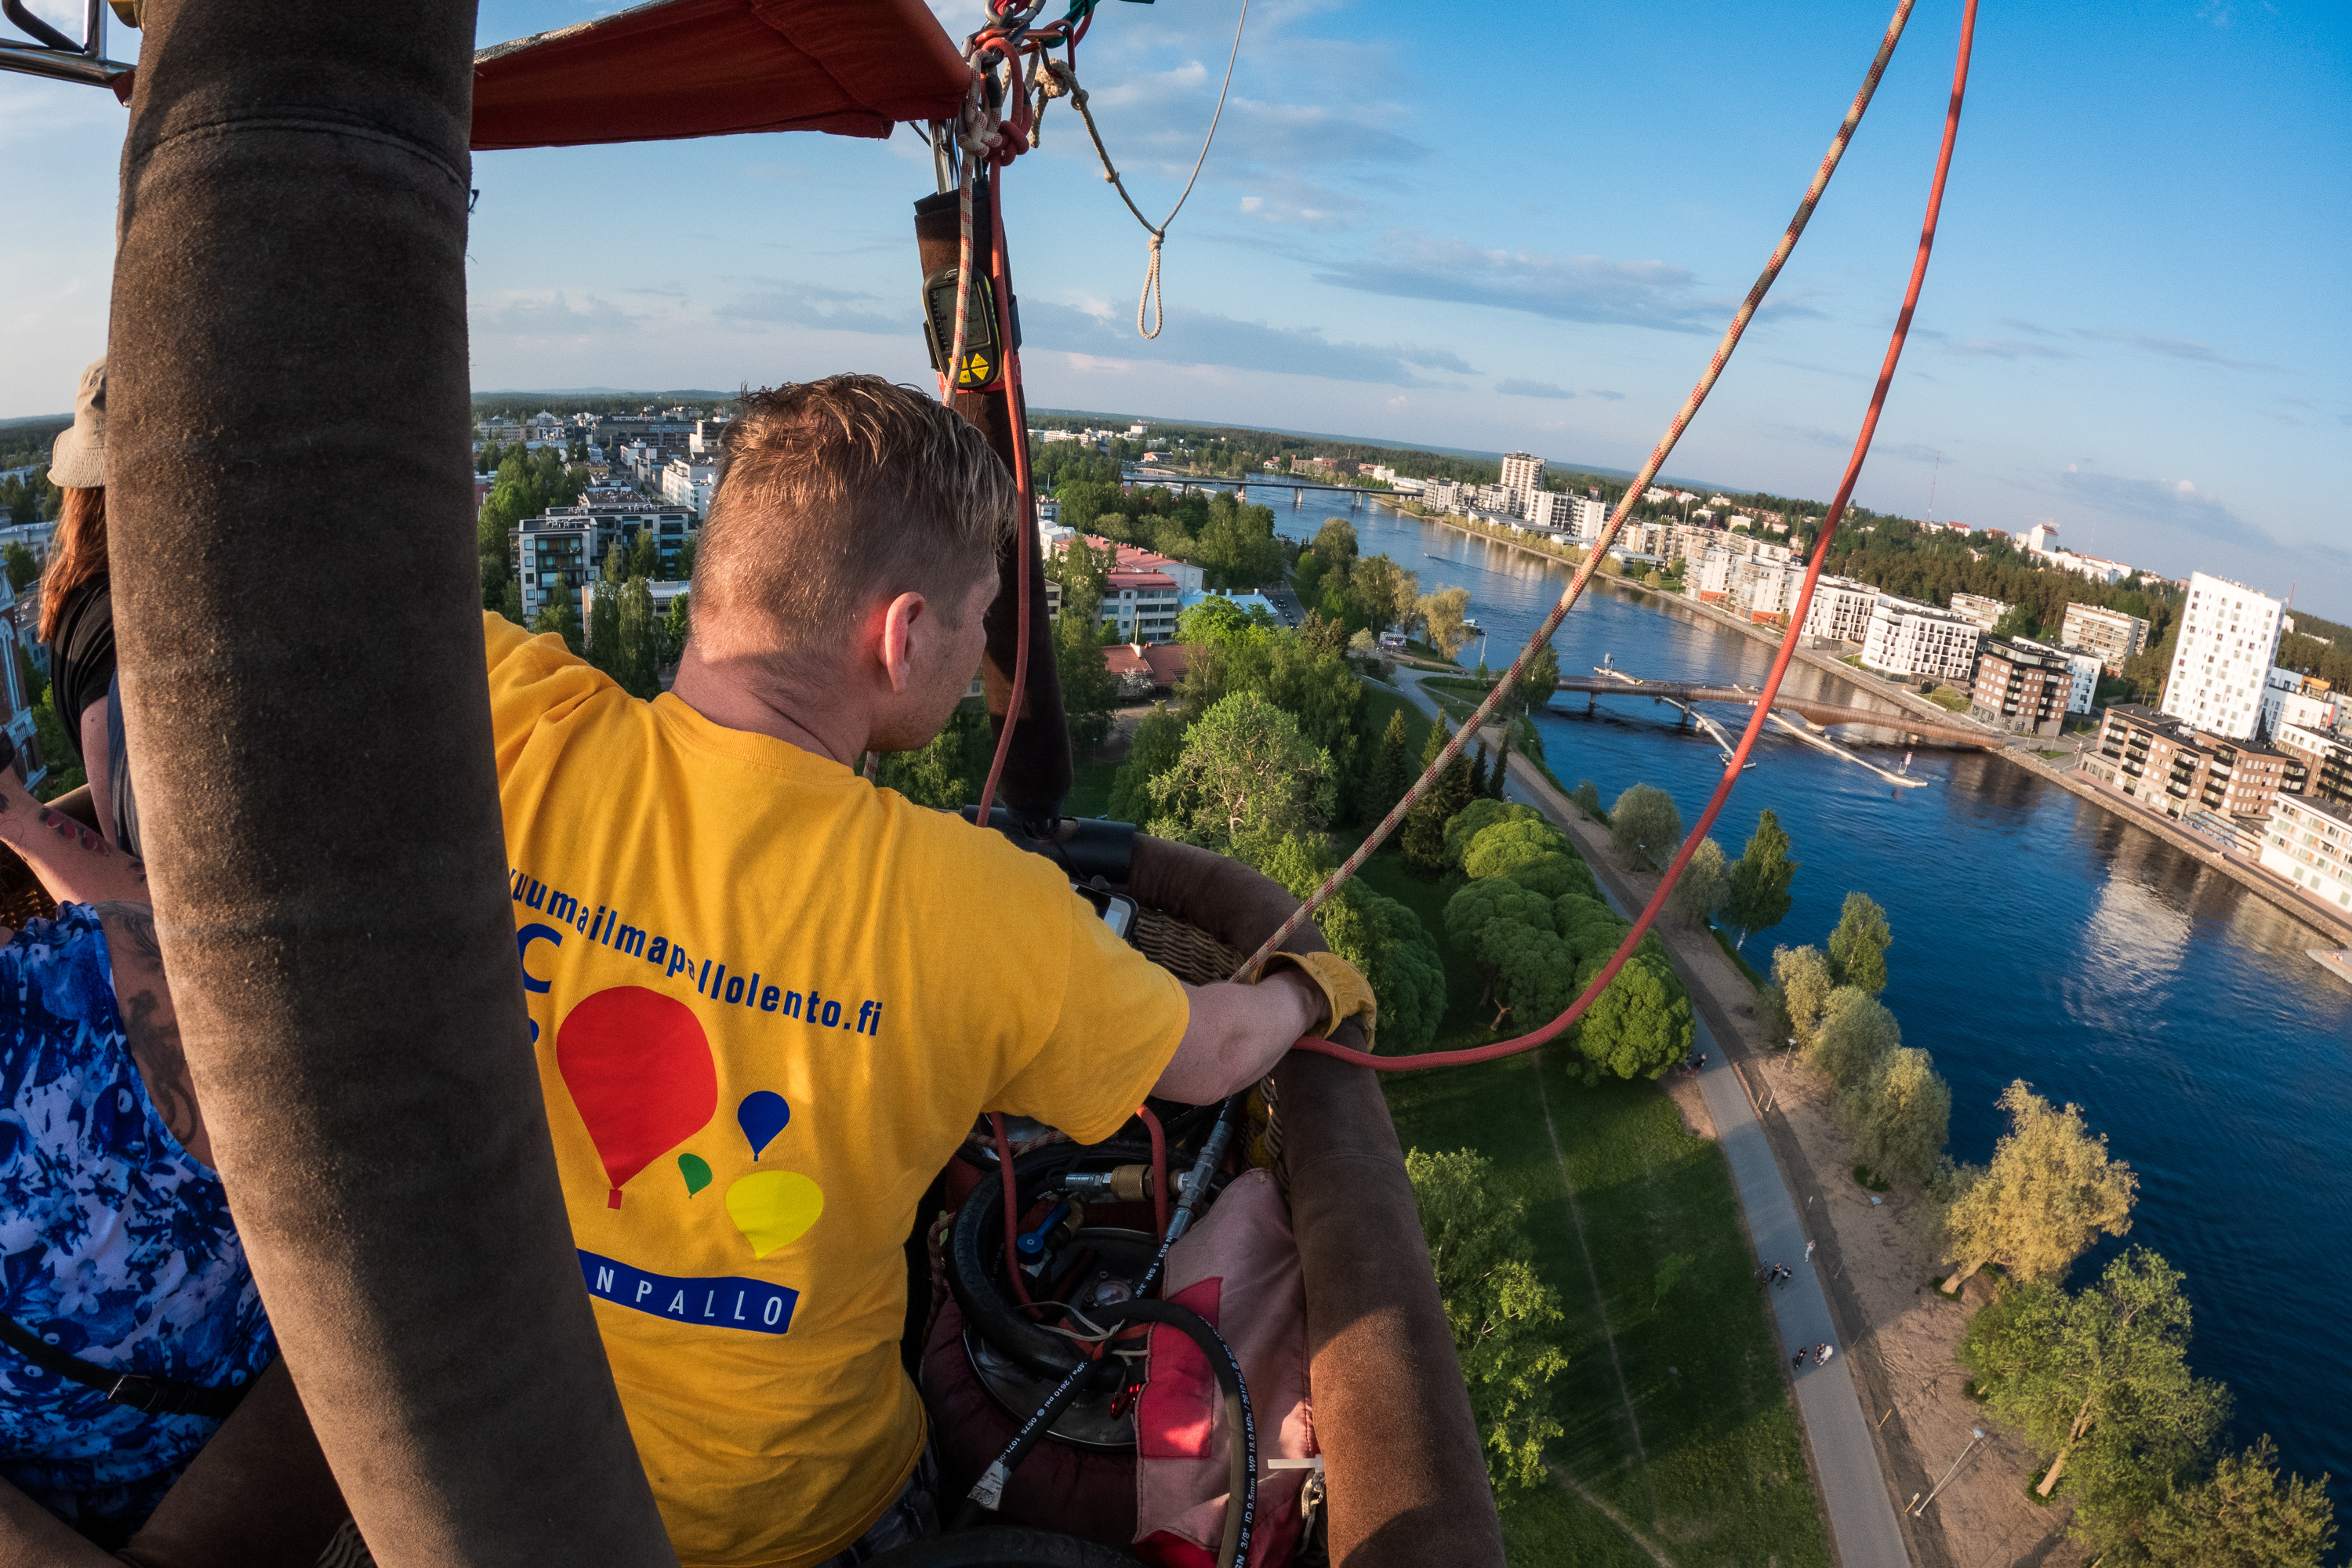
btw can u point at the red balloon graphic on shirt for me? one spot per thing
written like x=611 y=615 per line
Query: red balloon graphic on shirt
x=640 y=1073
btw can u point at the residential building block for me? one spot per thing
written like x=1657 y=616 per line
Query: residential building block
x=2220 y=663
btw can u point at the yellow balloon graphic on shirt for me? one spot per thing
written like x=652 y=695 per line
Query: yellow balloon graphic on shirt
x=773 y=1207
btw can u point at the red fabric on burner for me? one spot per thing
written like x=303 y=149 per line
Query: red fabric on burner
x=715 y=68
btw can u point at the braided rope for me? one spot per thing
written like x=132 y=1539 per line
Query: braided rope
x=1066 y=78
x=1592 y=563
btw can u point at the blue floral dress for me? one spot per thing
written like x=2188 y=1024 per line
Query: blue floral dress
x=115 y=1244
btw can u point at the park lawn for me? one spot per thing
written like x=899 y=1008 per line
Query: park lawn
x=1697 y=1447
x=1090 y=789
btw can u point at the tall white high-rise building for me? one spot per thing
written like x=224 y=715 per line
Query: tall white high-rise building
x=1522 y=471
x=2229 y=633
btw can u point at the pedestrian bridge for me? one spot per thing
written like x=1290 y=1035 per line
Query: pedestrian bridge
x=1819 y=713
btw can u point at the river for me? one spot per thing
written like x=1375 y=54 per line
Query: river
x=2036 y=936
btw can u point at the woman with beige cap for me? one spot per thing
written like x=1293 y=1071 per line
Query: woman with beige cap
x=77 y=613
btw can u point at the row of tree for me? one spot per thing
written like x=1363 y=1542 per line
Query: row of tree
x=2098 y=1380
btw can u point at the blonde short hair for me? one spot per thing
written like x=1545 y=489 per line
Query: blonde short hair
x=835 y=494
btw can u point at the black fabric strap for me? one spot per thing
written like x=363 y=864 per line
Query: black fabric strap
x=154 y=1396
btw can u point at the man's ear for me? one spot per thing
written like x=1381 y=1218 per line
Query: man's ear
x=901 y=619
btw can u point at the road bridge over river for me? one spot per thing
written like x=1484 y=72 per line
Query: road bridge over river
x=1684 y=691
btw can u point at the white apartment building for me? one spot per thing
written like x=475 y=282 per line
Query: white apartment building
x=2114 y=636
x=1912 y=640
x=2310 y=844
x=688 y=481
x=1985 y=613
x=1523 y=472
x=2229 y=633
x=1500 y=499
x=561 y=553
x=2313 y=711
x=2082 y=664
x=1841 y=610
x=2280 y=688
x=1587 y=517
x=1549 y=508
x=1772 y=593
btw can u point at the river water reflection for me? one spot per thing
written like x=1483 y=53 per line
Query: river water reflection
x=2037 y=936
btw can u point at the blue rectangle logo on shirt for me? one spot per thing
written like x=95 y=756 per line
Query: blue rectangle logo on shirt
x=726 y=1301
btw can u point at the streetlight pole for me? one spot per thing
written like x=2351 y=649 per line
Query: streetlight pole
x=1975 y=1435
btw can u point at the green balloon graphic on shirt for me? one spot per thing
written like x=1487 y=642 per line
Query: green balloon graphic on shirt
x=696 y=1171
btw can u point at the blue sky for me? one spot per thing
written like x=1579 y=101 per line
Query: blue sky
x=1524 y=230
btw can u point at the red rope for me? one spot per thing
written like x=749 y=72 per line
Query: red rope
x=1012 y=1207
x=1158 y=1168
x=1788 y=644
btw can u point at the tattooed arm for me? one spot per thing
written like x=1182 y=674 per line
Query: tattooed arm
x=144 y=996
x=73 y=862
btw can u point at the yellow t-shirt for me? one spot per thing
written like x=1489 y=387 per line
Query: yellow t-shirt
x=769 y=1000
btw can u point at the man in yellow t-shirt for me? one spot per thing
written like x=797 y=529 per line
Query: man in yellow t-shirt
x=769 y=999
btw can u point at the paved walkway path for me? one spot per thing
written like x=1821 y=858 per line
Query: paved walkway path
x=1853 y=1486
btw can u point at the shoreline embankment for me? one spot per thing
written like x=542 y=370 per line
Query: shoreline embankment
x=2280 y=895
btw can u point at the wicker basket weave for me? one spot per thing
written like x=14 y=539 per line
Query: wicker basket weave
x=1184 y=949
x=22 y=897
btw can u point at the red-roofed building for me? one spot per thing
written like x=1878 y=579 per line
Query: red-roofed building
x=1144 y=669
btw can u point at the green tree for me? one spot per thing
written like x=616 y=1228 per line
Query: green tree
x=1089 y=691
x=561 y=617
x=511 y=601
x=1476 y=819
x=1393 y=770
x=1501 y=775
x=615 y=569
x=64 y=774
x=2101 y=1377
x=685 y=560
x=675 y=628
x=1159 y=741
x=2243 y=1518
x=1758 y=883
x=1245 y=771
x=1645 y=825
x=605 y=628
x=1480 y=767
x=23 y=566
x=2048 y=1192
x=947 y=771
x=1539 y=681
x=1585 y=923
x=644 y=557
x=1556 y=874
x=2018 y=621
x=1334 y=541
x=1505 y=847
x=1384 y=940
x=1532 y=973
x=1902 y=1114
x=1424 y=825
x=1499 y=1310
x=1587 y=797
x=1477 y=905
x=1642 y=1025
x=1858 y=947
x=1855 y=1036
x=1703 y=884
x=639 y=634
x=1442 y=613
x=1803 y=976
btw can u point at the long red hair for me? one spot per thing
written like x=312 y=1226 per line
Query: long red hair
x=77 y=552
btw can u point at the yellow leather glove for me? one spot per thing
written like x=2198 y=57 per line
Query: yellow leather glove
x=1346 y=994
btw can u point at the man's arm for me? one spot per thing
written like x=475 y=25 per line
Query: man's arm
x=153 y=1025
x=1236 y=1034
x=76 y=865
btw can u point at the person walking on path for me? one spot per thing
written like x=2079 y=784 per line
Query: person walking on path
x=1822 y=1351
x=1809 y=1250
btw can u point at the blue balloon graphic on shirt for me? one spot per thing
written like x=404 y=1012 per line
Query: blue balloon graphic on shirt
x=763 y=1115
